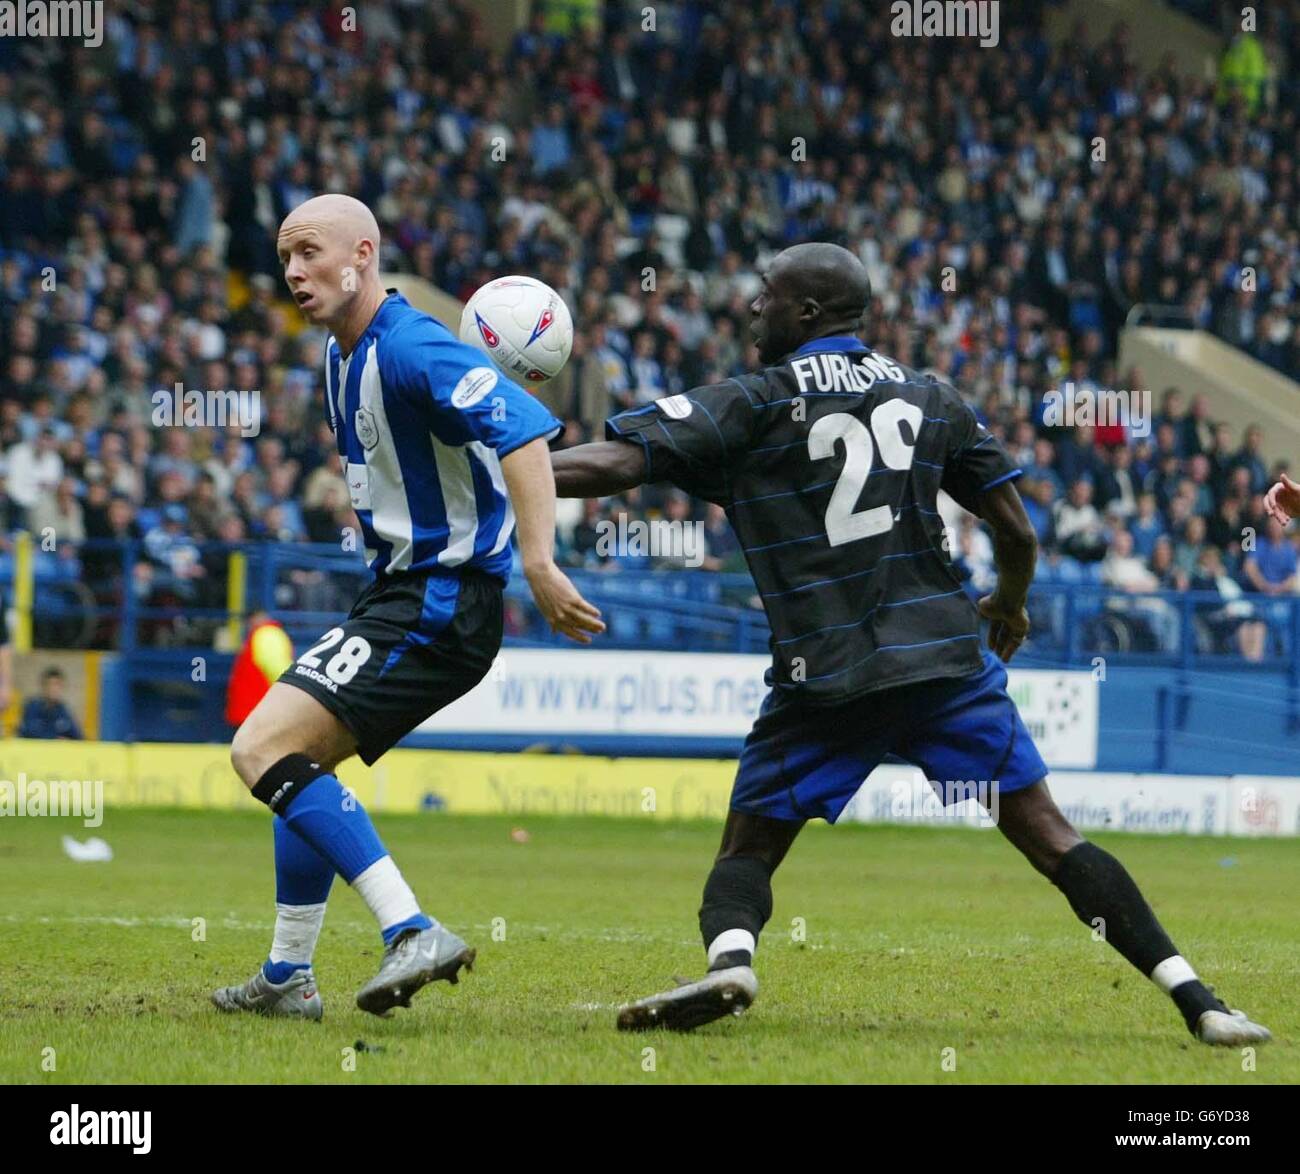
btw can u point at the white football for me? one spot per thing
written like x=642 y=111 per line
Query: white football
x=522 y=324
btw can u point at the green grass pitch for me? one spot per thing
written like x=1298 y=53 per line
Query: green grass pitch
x=887 y=946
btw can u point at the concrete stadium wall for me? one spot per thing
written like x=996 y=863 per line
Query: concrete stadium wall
x=1154 y=30
x=1242 y=390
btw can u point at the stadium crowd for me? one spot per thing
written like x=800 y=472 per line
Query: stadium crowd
x=646 y=175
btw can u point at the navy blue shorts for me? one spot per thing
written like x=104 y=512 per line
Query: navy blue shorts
x=803 y=762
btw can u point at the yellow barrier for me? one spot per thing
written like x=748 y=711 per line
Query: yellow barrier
x=148 y=774
x=24 y=589
x=236 y=576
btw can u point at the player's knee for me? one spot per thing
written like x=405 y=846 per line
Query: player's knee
x=1046 y=841
x=244 y=756
x=1056 y=843
x=1032 y=822
x=254 y=750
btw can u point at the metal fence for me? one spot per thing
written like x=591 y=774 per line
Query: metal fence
x=121 y=596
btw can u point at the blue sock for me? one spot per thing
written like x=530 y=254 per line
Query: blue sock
x=278 y=972
x=419 y=921
x=302 y=875
x=335 y=824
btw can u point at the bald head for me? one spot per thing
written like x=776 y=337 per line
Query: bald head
x=337 y=215
x=809 y=291
x=329 y=247
x=831 y=276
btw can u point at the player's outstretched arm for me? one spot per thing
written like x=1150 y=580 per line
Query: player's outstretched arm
x=528 y=476
x=598 y=469
x=1283 y=501
x=1015 y=550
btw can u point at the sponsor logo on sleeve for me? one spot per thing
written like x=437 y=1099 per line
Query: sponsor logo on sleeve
x=675 y=407
x=473 y=386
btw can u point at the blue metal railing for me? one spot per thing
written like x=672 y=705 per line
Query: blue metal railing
x=107 y=594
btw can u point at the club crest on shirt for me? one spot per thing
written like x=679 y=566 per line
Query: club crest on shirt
x=367 y=429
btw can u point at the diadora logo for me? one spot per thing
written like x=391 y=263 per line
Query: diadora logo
x=547 y=317
x=489 y=335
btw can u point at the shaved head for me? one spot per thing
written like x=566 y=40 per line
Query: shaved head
x=329 y=247
x=809 y=291
x=338 y=215
x=833 y=277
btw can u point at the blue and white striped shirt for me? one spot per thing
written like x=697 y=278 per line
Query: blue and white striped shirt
x=422 y=421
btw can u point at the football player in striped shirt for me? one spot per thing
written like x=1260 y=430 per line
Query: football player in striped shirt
x=829 y=462
x=443 y=457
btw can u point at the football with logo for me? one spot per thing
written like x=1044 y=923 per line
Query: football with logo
x=522 y=324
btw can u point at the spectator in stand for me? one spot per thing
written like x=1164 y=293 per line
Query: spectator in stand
x=724 y=549
x=1187 y=551
x=59 y=514
x=175 y=554
x=1250 y=459
x=34 y=468
x=1040 y=503
x=1232 y=623
x=47 y=716
x=1146 y=526
x=1271 y=567
x=1079 y=529
x=1126 y=572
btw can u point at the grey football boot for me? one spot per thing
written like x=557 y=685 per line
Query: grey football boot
x=693 y=1004
x=1230 y=1029
x=417 y=958
x=295 y=998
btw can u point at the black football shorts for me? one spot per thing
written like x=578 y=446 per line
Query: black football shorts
x=412 y=644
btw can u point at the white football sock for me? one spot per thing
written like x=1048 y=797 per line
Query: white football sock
x=731 y=939
x=1173 y=972
x=386 y=894
x=297 y=927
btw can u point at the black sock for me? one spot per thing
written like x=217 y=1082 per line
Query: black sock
x=737 y=895
x=1099 y=886
x=1193 y=998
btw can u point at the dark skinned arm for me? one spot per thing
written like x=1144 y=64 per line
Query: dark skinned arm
x=599 y=469
x=1015 y=550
